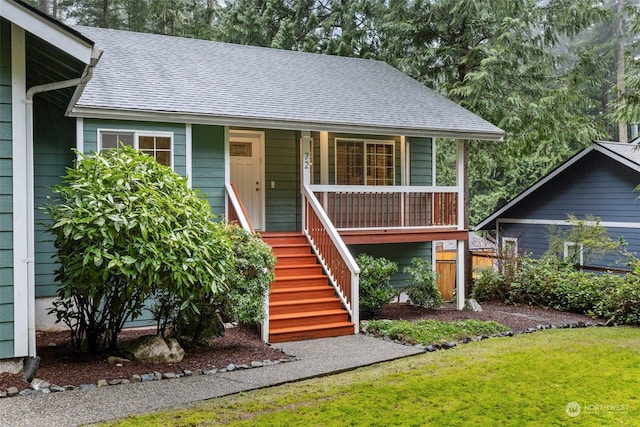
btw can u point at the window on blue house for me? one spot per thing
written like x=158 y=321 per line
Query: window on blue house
x=574 y=253
x=364 y=162
x=157 y=145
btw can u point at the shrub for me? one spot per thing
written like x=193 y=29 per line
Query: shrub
x=244 y=301
x=125 y=228
x=620 y=299
x=491 y=286
x=423 y=289
x=253 y=274
x=537 y=281
x=375 y=290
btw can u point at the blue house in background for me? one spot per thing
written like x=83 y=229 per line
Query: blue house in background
x=599 y=181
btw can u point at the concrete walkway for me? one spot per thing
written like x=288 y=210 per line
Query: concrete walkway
x=313 y=358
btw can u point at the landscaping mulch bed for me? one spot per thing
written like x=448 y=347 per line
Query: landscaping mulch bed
x=518 y=318
x=241 y=345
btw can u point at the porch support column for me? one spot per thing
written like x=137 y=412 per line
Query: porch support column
x=461 y=244
x=305 y=168
x=305 y=153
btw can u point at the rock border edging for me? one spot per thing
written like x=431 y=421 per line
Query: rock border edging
x=451 y=344
x=40 y=386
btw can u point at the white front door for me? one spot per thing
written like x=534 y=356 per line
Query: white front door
x=247 y=172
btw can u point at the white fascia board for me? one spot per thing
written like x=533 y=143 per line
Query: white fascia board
x=537 y=221
x=46 y=30
x=534 y=187
x=268 y=123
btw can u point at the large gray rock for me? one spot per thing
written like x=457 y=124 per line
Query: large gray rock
x=472 y=305
x=155 y=349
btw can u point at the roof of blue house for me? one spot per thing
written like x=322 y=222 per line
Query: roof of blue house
x=626 y=154
x=150 y=76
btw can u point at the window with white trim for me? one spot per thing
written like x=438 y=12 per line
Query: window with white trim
x=158 y=145
x=574 y=253
x=364 y=162
x=509 y=247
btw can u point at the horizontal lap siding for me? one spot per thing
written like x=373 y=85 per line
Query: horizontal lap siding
x=54 y=140
x=533 y=240
x=90 y=136
x=421 y=162
x=208 y=165
x=596 y=185
x=401 y=253
x=282 y=167
x=6 y=195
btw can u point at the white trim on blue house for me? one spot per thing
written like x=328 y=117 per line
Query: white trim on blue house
x=188 y=153
x=20 y=193
x=227 y=169
x=80 y=135
x=533 y=221
x=231 y=121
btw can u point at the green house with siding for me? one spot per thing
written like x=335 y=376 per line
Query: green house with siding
x=326 y=157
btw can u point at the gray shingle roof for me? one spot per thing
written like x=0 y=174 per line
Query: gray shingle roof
x=212 y=82
x=629 y=151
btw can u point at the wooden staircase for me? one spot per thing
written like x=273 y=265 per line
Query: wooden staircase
x=302 y=303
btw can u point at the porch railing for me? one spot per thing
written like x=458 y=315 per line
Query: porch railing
x=361 y=207
x=341 y=268
x=237 y=212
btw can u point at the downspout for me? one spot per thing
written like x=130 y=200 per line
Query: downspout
x=31 y=282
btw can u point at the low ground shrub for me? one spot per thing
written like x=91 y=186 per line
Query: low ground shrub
x=490 y=286
x=432 y=331
x=375 y=289
x=551 y=283
x=619 y=301
x=423 y=290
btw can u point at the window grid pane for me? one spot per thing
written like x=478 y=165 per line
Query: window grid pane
x=379 y=164
x=349 y=162
x=111 y=140
x=158 y=147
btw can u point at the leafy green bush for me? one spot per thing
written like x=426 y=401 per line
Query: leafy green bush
x=537 y=280
x=490 y=286
x=125 y=228
x=375 y=290
x=620 y=299
x=252 y=276
x=244 y=301
x=423 y=290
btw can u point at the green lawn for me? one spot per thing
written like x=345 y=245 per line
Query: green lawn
x=526 y=380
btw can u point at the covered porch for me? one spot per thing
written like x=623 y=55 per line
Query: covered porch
x=333 y=216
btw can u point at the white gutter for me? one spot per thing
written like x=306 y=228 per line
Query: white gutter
x=31 y=280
